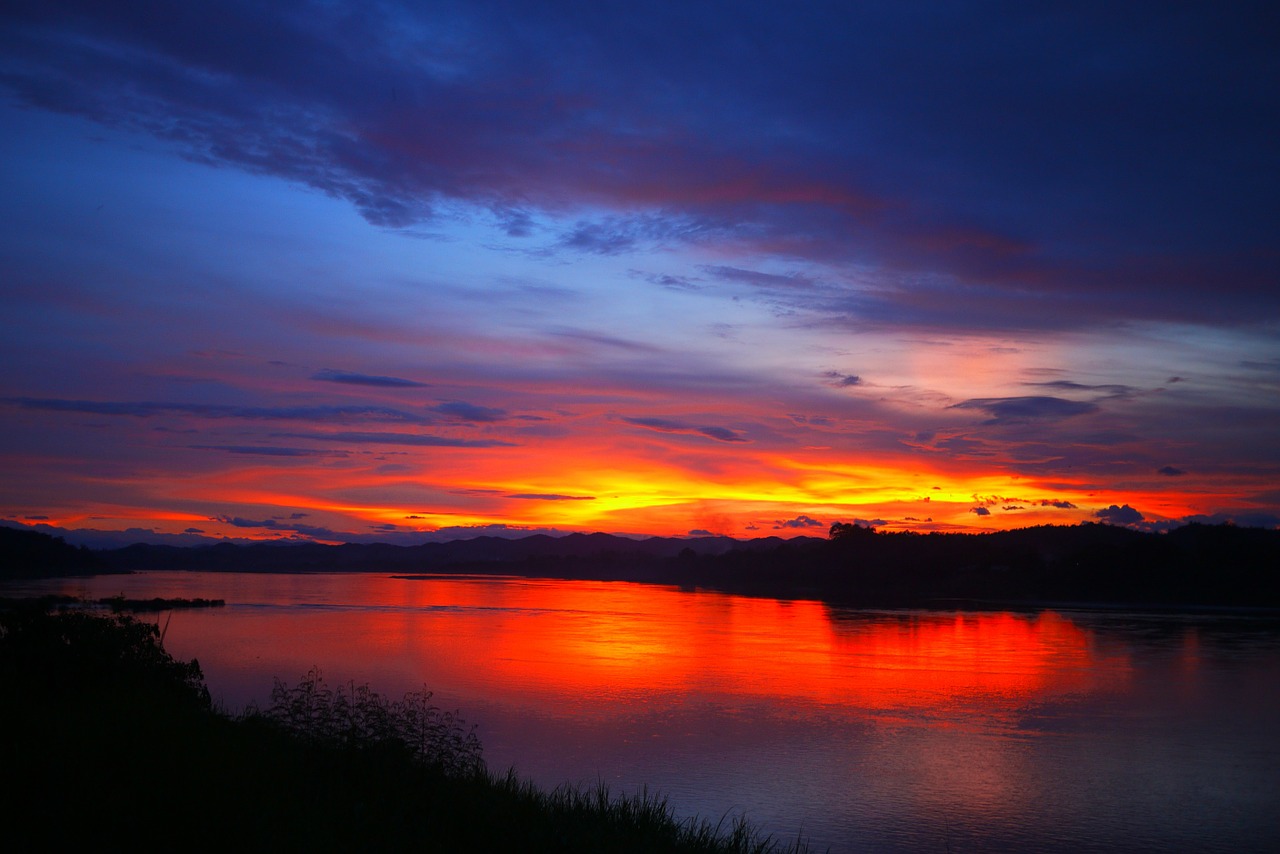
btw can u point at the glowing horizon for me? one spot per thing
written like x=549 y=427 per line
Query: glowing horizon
x=382 y=289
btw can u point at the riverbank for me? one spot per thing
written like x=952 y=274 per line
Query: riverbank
x=108 y=738
x=1195 y=566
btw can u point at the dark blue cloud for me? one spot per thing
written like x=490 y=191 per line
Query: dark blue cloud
x=980 y=511
x=663 y=425
x=1170 y=471
x=332 y=376
x=1018 y=410
x=599 y=238
x=611 y=341
x=1031 y=164
x=458 y=410
x=516 y=223
x=1122 y=515
x=421 y=440
x=267 y=450
x=276 y=525
x=1059 y=503
x=797 y=522
x=839 y=380
x=147 y=409
x=617 y=235
x=757 y=278
x=1108 y=389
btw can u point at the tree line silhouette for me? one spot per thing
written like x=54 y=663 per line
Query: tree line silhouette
x=1196 y=564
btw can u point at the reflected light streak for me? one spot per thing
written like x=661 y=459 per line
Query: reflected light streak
x=617 y=642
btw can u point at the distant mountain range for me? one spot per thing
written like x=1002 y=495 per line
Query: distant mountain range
x=35 y=553
x=380 y=557
x=1195 y=565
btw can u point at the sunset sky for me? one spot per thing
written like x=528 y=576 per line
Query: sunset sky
x=411 y=271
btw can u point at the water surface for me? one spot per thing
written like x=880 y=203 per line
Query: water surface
x=865 y=730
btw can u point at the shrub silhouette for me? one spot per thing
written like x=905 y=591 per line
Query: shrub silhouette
x=52 y=656
x=108 y=738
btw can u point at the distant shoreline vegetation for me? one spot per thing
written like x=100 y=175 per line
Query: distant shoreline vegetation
x=117 y=604
x=1195 y=565
x=107 y=737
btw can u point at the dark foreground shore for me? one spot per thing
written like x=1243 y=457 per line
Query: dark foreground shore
x=110 y=743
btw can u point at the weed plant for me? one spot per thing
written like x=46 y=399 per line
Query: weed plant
x=354 y=717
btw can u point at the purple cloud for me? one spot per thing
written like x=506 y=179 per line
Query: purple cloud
x=1019 y=410
x=1122 y=515
x=660 y=115
x=662 y=425
x=332 y=376
x=276 y=525
x=420 y=440
x=458 y=410
x=268 y=451
x=147 y=409
x=551 y=496
x=839 y=380
x=797 y=522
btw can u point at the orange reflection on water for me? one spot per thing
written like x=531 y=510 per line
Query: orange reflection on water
x=926 y=659
x=592 y=646
x=564 y=641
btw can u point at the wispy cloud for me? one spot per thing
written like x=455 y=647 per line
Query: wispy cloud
x=315 y=531
x=1107 y=389
x=421 y=440
x=797 y=522
x=679 y=163
x=147 y=409
x=550 y=496
x=757 y=278
x=662 y=425
x=331 y=376
x=458 y=410
x=1024 y=272
x=267 y=450
x=841 y=380
x=1019 y=410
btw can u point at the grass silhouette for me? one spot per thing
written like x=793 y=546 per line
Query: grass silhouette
x=108 y=742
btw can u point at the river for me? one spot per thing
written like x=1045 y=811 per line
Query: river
x=876 y=731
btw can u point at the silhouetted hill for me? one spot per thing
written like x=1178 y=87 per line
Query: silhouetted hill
x=485 y=554
x=1192 y=565
x=30 y=554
